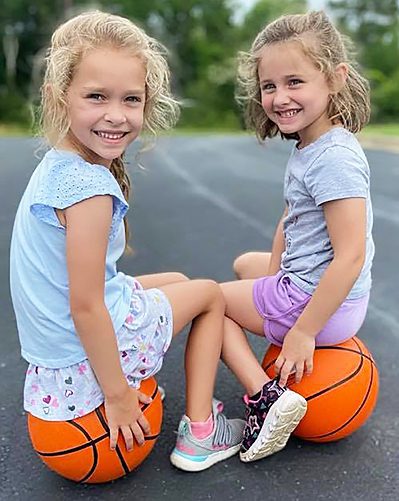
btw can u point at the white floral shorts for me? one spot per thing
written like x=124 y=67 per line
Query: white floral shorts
x=72 y=392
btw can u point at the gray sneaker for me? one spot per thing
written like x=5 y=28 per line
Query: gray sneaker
x=193 y=454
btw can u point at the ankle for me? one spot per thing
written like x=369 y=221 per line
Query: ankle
x=202 y=429
x=257 y=386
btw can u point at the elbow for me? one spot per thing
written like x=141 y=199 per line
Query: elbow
x=84 y=307
x=353 y=261
x=358 y=258
x=357 y=264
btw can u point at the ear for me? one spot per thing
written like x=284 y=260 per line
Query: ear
x=340 y=76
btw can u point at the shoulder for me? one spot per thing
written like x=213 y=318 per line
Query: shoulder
x=340 y=148
x=66 y=179
x=339 y=169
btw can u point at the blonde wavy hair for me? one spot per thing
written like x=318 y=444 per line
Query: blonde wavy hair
x=69 y=43
x=326 y=47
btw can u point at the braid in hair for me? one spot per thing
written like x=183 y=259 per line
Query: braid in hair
x=118 y=170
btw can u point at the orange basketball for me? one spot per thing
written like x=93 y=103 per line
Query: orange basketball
x=341 y=392
x=79 y=449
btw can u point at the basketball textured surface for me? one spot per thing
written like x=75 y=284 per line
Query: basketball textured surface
x=341 y=392
x=79 y=449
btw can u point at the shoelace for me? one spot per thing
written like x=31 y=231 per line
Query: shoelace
x=223 y=431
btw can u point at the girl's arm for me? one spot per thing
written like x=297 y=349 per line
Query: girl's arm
x=87 y=228
x=346 y=225
x=278 y=246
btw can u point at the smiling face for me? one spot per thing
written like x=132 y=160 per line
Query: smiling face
x=295 y=94
x=106 y=101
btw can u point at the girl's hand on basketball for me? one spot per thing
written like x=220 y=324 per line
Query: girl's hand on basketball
x=296 y=356
x=124 y=415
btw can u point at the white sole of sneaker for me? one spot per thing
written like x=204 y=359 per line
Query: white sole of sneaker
x=162 y=392
x=184 y=463
x=281 y=420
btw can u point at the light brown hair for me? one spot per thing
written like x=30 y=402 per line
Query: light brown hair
x=327 y=48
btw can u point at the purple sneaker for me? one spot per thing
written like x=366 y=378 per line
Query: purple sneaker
x=270 y=420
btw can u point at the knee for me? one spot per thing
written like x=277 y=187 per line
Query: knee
x=241 y=264
x=214 y=292
x=179 y=277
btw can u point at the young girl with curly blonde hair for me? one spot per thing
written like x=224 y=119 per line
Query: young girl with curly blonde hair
x=91 y=333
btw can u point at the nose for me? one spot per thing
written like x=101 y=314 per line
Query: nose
x=281 y=97
x=114 y=114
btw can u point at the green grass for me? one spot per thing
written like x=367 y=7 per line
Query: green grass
x=191 y=131
x=391 y=129
x=7 y=130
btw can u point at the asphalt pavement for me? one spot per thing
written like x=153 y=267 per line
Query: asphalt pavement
x=197 y=203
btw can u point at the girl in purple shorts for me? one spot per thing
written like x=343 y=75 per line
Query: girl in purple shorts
x=313 y=287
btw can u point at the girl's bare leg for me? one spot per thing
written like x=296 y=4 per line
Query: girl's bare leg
x=237 y=354
x=240 y=306
x=265 y=432
x=199 y=301
x=159 y=279
x=252 y=265
x=236 y=351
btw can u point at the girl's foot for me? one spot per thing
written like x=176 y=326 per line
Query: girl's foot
x=193 y=454
x=271 y=416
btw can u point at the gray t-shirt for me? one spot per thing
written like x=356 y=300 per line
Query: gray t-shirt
x=331 y=168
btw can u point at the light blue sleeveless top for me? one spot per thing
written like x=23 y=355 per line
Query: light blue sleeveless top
x=38 y=271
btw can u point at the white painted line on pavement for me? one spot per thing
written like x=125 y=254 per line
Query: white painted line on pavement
x=215 y=198
x=391 y=217
x=388 y=320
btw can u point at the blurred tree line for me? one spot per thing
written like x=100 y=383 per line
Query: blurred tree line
x=203 y=37
x=374 y=27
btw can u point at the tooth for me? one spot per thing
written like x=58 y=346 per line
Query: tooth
x=108 y=135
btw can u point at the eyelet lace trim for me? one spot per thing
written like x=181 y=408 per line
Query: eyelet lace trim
x=72 y=180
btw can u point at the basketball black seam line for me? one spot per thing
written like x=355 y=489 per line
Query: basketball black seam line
x=152 y=396
x=92 y=442
x=354 y=415
x=117 y=449
x=105 y=424
x=106 y=428
x=93 y=468
x=339 y=383
x=362 y=355
x=332 y=347
x=78 y=448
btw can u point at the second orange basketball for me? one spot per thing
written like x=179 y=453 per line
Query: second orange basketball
x=341 y=392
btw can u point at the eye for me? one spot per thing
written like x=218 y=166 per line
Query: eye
x=134 y=99
x=268 y=87
x=96 y=97
x=294 y=81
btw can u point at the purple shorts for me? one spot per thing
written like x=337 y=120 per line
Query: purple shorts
x=280 y=302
